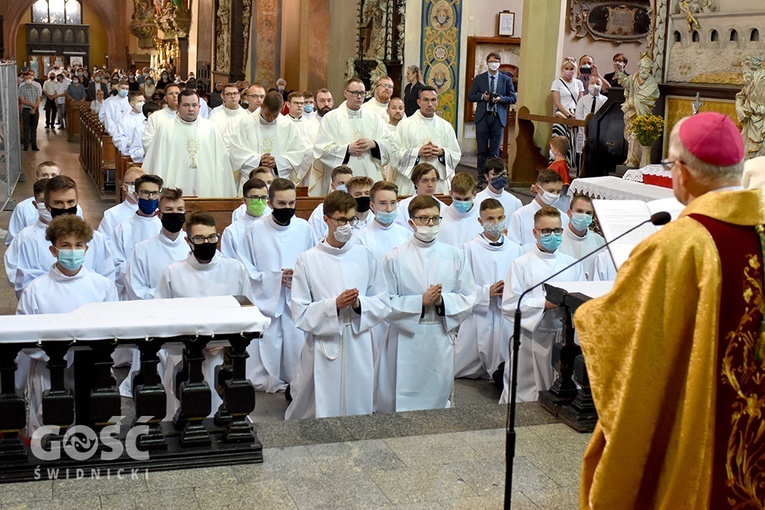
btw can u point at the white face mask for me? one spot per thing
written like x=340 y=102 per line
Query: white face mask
x=343 y=233
x=428 y=233
x=44 y=213
x=548 y=198
x=494 y=229
x=552 y=156
x=138 y=108
x=493 y=66
x=594 y=89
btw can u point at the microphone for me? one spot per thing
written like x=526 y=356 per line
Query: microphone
x=658 y=219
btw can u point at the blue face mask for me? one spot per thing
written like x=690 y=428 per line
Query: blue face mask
x=551 y=242
x=123 y=93
x=462 y=206
x=341 y=187
x=581 y=221
x=71 y=260
x=148 y=206
x=308 y=108
x=499 y=183
x=386 y=217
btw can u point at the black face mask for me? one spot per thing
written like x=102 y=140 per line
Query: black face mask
x=283 y=216
x=204 y=252
x=55 y=212
x=173 y=222
x=362 y=204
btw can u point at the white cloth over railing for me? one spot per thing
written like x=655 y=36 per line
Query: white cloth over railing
x=614 y=188
x=131 y=320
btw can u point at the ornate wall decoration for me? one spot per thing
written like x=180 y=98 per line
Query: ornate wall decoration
x=610 y=20
x=246 y=16
x=379 y=39
x=223 y=37
x=174 y=19
x=266 y=30
x=440 y=52
x=143 y=24
x=656 y=36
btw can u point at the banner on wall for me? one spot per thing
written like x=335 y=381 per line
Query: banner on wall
x=440 y=53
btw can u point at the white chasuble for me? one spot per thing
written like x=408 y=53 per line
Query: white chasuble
x=540 y=327
x=417 y=363
x=338 y=130
x=155 y=120
x=191 y=156
x=414 y=132
x=337 y=367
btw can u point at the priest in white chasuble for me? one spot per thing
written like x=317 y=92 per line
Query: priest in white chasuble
x=169 y=112
x=542 y=321
x=189 y=153
x=353 y=136
x=432 y=292
x=265 y=138
x=338 y=295
x=426 y=138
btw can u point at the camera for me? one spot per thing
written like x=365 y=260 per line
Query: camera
x=585 y=69
x=494 y=96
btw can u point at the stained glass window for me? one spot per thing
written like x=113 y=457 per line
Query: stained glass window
x=57 y=12
x=73 y=12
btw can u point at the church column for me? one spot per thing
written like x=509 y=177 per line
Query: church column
x=541 y=52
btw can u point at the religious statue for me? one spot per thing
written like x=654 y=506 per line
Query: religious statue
x=223 y=37
x=143 y=24
x=750 y=107
x=641 y=90
x=374 y=16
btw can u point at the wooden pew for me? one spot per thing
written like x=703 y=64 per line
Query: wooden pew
x=221 y=208
x=73 y=124
x=98 y=155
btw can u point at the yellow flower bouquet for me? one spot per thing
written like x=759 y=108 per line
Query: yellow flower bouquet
x=647 y=128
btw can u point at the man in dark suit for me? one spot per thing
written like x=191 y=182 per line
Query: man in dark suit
x=493 y=91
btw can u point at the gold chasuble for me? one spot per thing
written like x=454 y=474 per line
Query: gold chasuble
x=671 y=357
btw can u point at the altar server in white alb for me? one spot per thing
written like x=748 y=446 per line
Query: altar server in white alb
x=265 y=138
x=26 y=212
x=135 y=147
x=578 y=239
x=67 y=286
x=495 y=174
x=11 y=257
x=359 y=188
x=350 y=135
x=114 y=108
x=309 y=129
x=125 y=209
x=483 y=340
x=205 y=272
x=338 y=296
x=548 y=189
x=262 y=173
x=269 y=250
x=169 y=112
x=426 y=138
x=340 y=177
x=425 y=180
x=460 y=221
x=229 y=112
x=542 y=321
x=34 y=254
x=432 y=292
x=189 y=153
x=255 y=198
x=151 y=257
x=127 y=124
x=139 y=227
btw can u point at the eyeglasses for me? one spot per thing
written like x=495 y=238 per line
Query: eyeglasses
x=357 y=93
x=149 y=194
x=255 y=197
x=385 y=86
x=669 y=163
x=549 y=231
x=346 y=221
x=211 y=239
x=230 y=94
x=425 y=220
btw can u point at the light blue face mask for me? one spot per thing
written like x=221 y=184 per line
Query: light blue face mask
x=341 y=187
x=308 y=108
x=123 y=93
x=386 y=217
x=581 y=221
x=550 y=242
x=71 y=260
x=462 y=206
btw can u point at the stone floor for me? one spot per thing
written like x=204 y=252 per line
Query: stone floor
x=449 y=458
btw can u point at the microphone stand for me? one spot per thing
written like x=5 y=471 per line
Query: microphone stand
x=659 y=218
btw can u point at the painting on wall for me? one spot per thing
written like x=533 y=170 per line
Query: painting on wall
x=610 y=20
x=441 y=21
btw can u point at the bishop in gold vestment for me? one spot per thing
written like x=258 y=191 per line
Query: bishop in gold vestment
x=675 y=353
